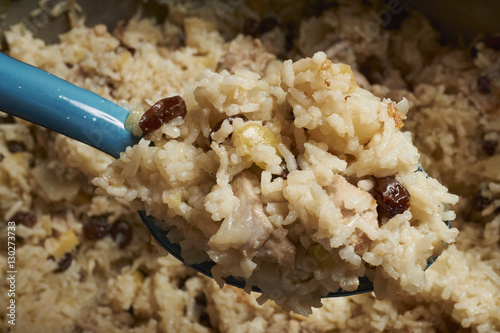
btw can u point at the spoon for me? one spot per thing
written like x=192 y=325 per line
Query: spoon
x=46 y=100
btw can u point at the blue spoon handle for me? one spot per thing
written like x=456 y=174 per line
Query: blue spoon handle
x=46 y=100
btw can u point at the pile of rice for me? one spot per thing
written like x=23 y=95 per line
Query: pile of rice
x=331 y=134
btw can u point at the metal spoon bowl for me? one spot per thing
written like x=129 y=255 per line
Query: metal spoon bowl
x=46 y=100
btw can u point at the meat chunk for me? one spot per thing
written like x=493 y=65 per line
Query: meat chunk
x=278 y=249
x=251 y=212
x=354 y=201
x=247 y=227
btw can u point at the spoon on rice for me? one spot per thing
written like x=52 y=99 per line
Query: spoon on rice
x=43 y=99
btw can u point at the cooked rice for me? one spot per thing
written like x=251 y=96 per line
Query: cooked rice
x=106 y=288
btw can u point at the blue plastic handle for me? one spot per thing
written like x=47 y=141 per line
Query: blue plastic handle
x=44 y=99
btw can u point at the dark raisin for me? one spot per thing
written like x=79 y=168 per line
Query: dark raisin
x=201 y=299
x=268 y=24
x=16 y=147
x=121 y=232
x=493 y=43
x=490 y=146
x=479 y=203
x=64 y=263
x=96 y=228
x=162 y=112
x=392 y=197
x=484 y=85
x=251 y=27
x=219 y=124
x=27 y=219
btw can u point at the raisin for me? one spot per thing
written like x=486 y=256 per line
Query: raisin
x=490 y=146
x=162 y=112
x=484 y=85
x=392 y=197
x=493 y=43
x=27 y=219
x=96 y=228
x=121 y=232
x=64 y=263
x=479 y=203
x=219 y=124
x=16 y=147
x=251 y=27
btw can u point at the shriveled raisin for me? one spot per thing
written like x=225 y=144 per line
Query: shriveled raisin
x=15 y=147
x=96 y=228
x=27 y=219
x=121 y=232
x=392 y=197
x=64 y=263
x=162 y=112
x=219 y=124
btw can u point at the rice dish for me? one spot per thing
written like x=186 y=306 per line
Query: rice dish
x=278 y=191
x=94 y=257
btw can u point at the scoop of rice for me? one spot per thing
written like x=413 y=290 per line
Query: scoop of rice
x=277 y=177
